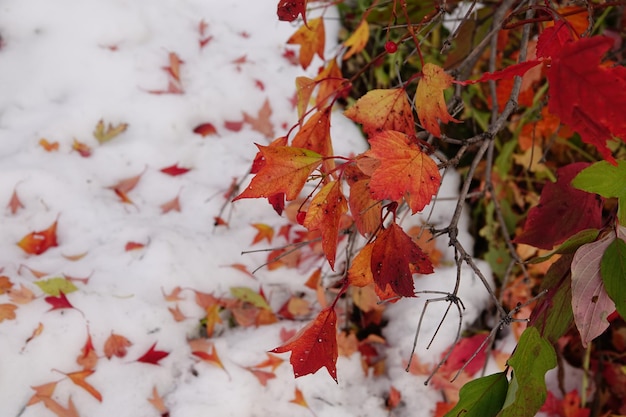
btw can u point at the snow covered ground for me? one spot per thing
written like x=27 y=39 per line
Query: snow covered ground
x=64 y=66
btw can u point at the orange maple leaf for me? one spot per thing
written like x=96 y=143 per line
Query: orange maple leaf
x=331 y=84
x=263 y=232
x=261 y=123
x=88 y=357
x=380 y=110
x=314 y=346
x=116 y=345
x=206 y=351
x=311 y=40
x=78 y=378
x=299 y=399
x=48 y=147
x=324 y=214
x=36 y=243
x=7 y=311
x=364 y=209
x=315 y=136
x=286 y=170
x=360 y=272
x=123 y=187
x=261 y=375
x=357 y=41
x=404 y=171
x=304 y=90
x=157 y=402
x=429 y=101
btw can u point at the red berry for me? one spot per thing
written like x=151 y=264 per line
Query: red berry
x=300 y=217
x=391 y=47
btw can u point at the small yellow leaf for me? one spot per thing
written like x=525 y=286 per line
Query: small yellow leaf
x=103 y=135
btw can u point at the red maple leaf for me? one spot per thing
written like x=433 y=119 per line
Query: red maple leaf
x=153 y=356
x=59 y=302
x=393 y=253
x=562 y=211
x=175 y=170
x=314 y=346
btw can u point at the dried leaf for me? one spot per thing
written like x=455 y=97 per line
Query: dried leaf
x=116 y=345
x=312 y=39
x=261 y=123
x=7 y=312
x=83 y=149
x=111 y=132
x=36 y=243
x=48 y=147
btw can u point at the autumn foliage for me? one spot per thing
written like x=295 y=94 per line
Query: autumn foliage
x=536 y=126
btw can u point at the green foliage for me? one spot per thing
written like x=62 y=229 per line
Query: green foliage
x=482 y=397
x=613 y=271
x=533 y=357
x=606 y=180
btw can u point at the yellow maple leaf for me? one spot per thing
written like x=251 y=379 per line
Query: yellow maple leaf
x=429 y=101
x=357 y=41
x=311 y=40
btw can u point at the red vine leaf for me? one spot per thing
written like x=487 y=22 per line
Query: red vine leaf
x=562 y=211
x=404 y=171
x=314 y=346
x=393 y=254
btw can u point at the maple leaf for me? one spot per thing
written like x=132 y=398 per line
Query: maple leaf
x=212 y=319
x=205 y=129
x=364 y=209
x=261 y=375
x=22 y=295
x=116 y=345
x=272 y=362
x=304 y=91
x=103 y=135
x=324 y=214
x=88 y=356
x=429 y=101
x=7 y=311
x=36 y=243
x=59 y=302
x=206 y=351
x=299 y=399
x=174 y=170
x=123 y=187
x=79 y=377
x=14 y=203
x=54 y=286
x=404 y=171
x=357 y=41
x=393 y=253
x=157 y=402
x=152 y=356
x=133 y=246
x=331 y=84
x=311 y=39
x=562 y=211
x=586 y=95
x=5 y=284
x=261 y=123
x=263 y=232
x=288 y=10
x=177 y=314
x=360 y=272
x=48 y=147
x=171 y=205
x=381 y=110
x=286 y=170
x=314 y=346
x=233 y=126
x=82 y=148
x=315 y=134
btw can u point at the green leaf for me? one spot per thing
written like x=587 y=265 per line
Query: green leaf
x=482 y=397
x=613 y=272
x=533 y=357
x=247 y=295
x=553 y=314
x=103 y=134
x=54 y=286
x=606 y=180
x=570 y=245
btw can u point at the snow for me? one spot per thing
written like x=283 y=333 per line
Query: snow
x=65 y=65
